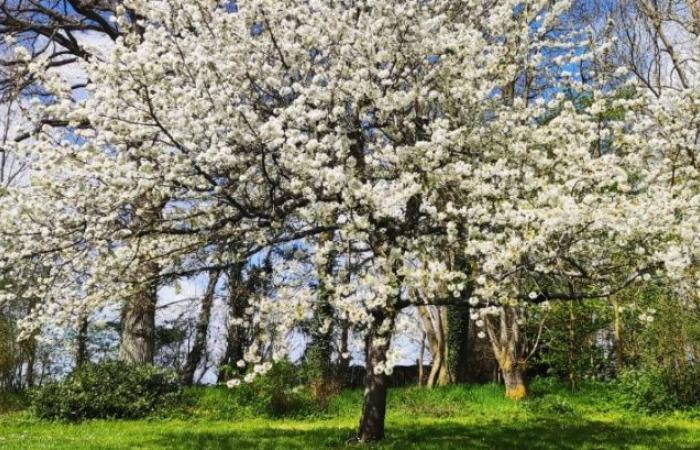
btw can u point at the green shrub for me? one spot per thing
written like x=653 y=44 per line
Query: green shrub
x=107 y=390
x=660 y=389
x=12 y=401
x=279 y=393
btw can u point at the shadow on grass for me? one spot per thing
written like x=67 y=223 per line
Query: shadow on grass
x=532 y=435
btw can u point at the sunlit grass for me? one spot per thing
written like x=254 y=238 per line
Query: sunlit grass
x=446 y=418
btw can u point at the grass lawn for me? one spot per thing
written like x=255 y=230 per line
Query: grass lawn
x=446 y=418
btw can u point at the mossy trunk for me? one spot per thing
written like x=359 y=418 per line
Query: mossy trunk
x=509 y=352
x=458 y=343
x=321 y=347
x=199 y=346
x=515 y=383
x=236 y=340
x=618 y=342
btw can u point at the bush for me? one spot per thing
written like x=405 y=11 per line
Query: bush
x=107 y=390
x=12 y=401
x=660 y=389
x=279 y=393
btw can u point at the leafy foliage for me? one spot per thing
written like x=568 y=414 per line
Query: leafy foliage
x=107 y=390
x=660 y=390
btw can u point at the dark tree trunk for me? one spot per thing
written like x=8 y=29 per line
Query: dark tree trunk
x=376 y=384
x=458 y=343
x=236 y=340
x=138 y=327
x=81 y=353
x=29 y=347
x=199 y=346
x=321 y=346
x=31 y=360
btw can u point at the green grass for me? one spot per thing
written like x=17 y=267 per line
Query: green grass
x=471 y=417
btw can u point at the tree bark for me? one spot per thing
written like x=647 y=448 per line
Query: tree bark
x=458 y=343
x=435 y=328
x=31 y=358
x=421 y=356
x=321 y=346
x=236 y=339
x=199 y=345
x=376 y=384
x=81 y=353
x=138 y=327
x=515 y=382
x=508 y=348
x=571 y=356
x=619 y=345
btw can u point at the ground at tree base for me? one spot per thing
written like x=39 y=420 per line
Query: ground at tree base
x=444 y=418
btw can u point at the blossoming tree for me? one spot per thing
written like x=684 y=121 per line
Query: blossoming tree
x=417 y=137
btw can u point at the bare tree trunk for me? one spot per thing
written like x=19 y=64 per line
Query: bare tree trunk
x=421 y=356
x=31 y=358
x=617 y=337
x=571 y=356
x=376 y=383
x=199 y=346
x=444 y=374
x=508 y=348
x=81 y=353
x=515 y=382
x=138 y=327
x=434 y=321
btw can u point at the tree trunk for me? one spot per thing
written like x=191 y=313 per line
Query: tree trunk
x=199 y=346
x=421 y=356
x=321 y=346
x=81 y=353
x=138 y=327
x=434 y=321
x=31 y=358
x=459 y=346
x=376 y=384
x=571 y=354
x=320 y=349
x=444 y=376
x=617 y=337
x=508 y=348
x=515 y=382
x=236 y=338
